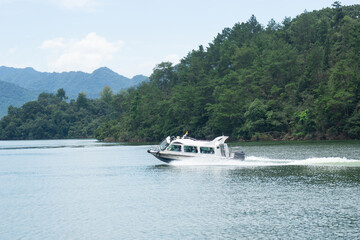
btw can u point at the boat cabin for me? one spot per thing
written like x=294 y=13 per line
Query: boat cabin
x=191 y=146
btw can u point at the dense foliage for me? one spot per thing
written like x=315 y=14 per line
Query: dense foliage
x=294 y=80
x=51 y=117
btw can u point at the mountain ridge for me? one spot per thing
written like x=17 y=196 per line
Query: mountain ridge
x=72 y=82
x=11 y=94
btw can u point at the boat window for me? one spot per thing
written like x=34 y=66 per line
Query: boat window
x=175 y=148
x=164 y=144
x=190 y=149
x=207 y=150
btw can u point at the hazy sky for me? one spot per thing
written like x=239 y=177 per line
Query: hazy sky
x=130 y=37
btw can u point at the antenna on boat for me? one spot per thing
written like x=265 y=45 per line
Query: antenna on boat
x=185 y=135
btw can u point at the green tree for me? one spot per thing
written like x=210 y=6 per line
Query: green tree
x=82 y=101
x=163 y=76
x=61 y=94
x=106 y=94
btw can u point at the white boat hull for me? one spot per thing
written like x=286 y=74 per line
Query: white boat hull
x=169 y=157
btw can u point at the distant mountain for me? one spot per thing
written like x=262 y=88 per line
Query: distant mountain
x=71 y=82
x=23 y=83
x=10 y=94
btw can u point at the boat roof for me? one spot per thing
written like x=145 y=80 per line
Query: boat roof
x=192 y=141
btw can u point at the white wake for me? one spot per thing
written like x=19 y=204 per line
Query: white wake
x=253 y=161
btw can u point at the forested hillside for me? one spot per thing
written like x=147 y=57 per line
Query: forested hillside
x=299 y=79
x=10 y=94
x=52 y=117
x=296 y=80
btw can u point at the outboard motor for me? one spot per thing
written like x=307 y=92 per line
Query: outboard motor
x=239 y=155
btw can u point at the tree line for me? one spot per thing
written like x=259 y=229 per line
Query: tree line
x=299 y=79
x=51 y=116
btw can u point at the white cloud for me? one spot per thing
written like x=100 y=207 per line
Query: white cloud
x=57 y=43
x=85 y=54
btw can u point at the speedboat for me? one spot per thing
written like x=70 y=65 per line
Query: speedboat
x=177 y=149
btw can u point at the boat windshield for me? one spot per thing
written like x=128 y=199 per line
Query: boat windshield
x=164 y=144
x=222 y=149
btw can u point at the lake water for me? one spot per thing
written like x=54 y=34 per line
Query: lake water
x=83 y=189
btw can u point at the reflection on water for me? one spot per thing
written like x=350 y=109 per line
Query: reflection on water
x=82 y=189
